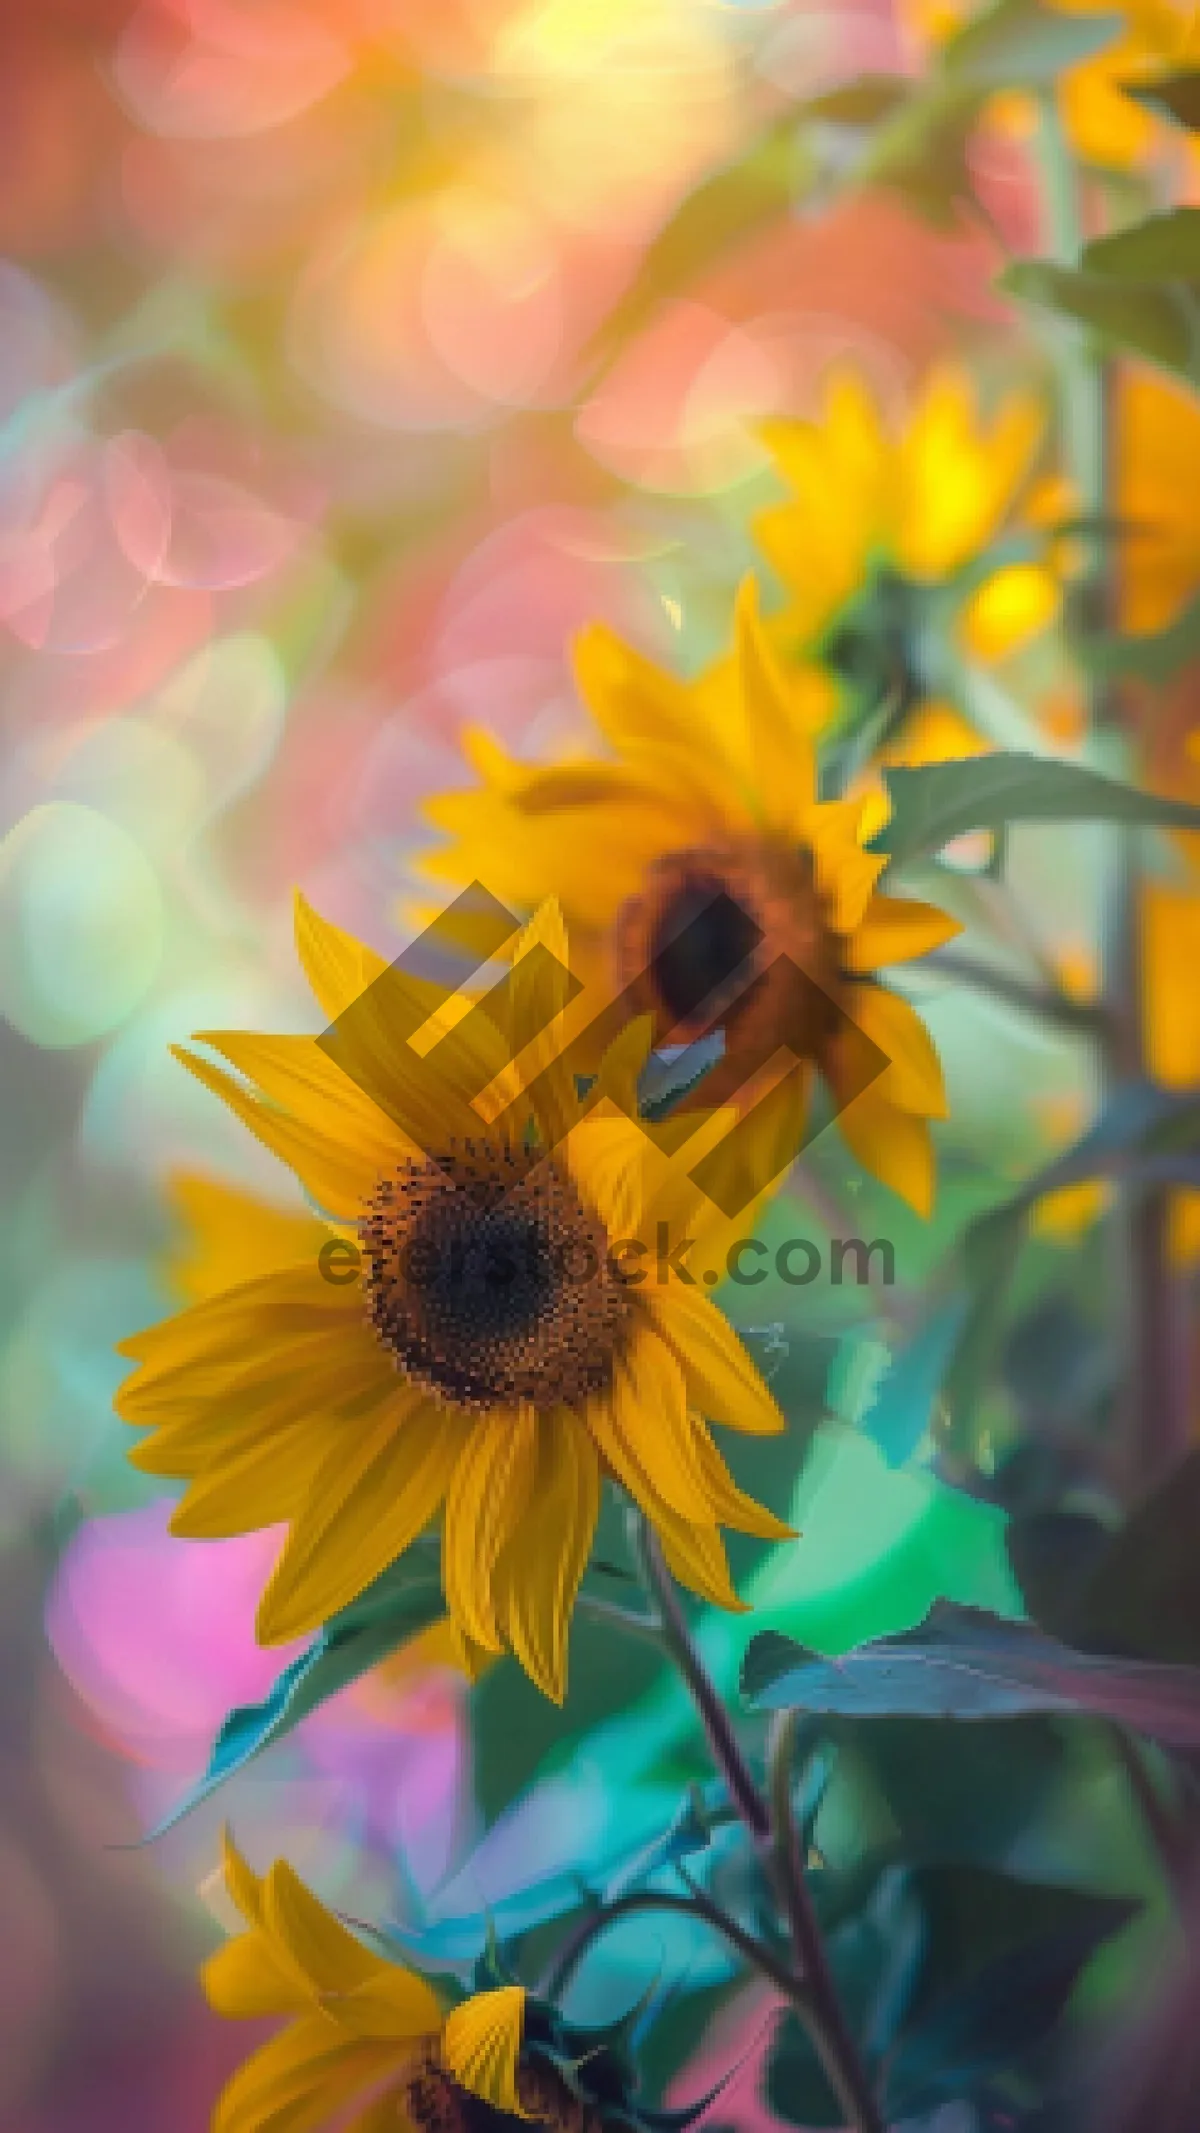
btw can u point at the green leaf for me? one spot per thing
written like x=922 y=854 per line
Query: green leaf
x=977 y=1915
x=1142 y=1596
x=967 y=1665
x=1019 y=44
x=920 y=152
x=1177 y=95
x=1143 y=318
x=1154 y=657
x=759 y=187
x=1162 y=248
x=404 y=1601
x=862 y=102
x=935 y=803
x=1001 y=2014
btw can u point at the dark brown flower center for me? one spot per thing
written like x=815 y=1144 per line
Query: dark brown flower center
x=490 y=1282
x=435 y=2104
x=733 y=938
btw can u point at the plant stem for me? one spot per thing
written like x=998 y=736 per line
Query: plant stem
x=1154 y=1422
x=828 y=2026
x=811 y=1988
x=718 y=1726
x=694 y=1905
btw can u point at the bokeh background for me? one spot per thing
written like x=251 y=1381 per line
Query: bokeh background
x=353 y=354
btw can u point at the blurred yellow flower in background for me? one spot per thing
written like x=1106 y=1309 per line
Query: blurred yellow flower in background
x=362 y=2033
x=700 y=846
x=877 y=515
x=478 y=1350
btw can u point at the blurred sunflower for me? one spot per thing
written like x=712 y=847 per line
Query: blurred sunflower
x=464 y=1337
x=703 y=851
x=363 y=2034
x=1105 y=126
x=883 y=543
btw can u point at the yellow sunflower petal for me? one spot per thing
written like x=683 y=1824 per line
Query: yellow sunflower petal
x=323 y=1950
x=650 y=1414
x=695 y=1556
x=241 y=1881
x=245 y=1980
x=729 y=1505
x=487 y=1500
x=237 y=1334
x=913 y=1081
x=299 y=2082
x=959 y=479
x=481 y=2046
x=339 y=1177
x=255 y=1484
x=897 y=929
x=229 y=1236
x=720 y=1377
x=893 y=1145
x=535 y=997
x=295 y=1074
x=783 y=760
x=369 y=1500
x=538 y=1573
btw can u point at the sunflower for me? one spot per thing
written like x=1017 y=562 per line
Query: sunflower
x=1104 y=124
x=701 y=874
x=883 y=538
x=465 y=1333
x=364 y=2036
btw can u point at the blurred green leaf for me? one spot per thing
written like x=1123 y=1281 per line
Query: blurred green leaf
x=1154 y=657
x=1142 y=1593
x=760 y=186
x=965 y=1664
x=1144 y=320
x=404 y=1601
x=999 y=2015
x=976 y=1915
x=1020 y=44
x=1177 y=95
x=862 y=102
x=920 y=151
x=1164 y=247
x=933 y=804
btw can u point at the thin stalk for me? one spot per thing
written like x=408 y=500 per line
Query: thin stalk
x=828 y=2026
x=694 y=1905
x=1154 y=1417
x=811 y=1988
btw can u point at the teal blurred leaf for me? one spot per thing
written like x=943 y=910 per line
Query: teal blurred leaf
x=964 y=1664
x=404 y=1601
x=933 y=804
x=1147 y=1135
x=996 y=2018
x=1177 y=96
x=900 y=1414
x=1020 y=44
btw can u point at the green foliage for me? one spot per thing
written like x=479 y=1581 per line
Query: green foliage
x=1137 y=290
x=404 y=1601
x=935 y=803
